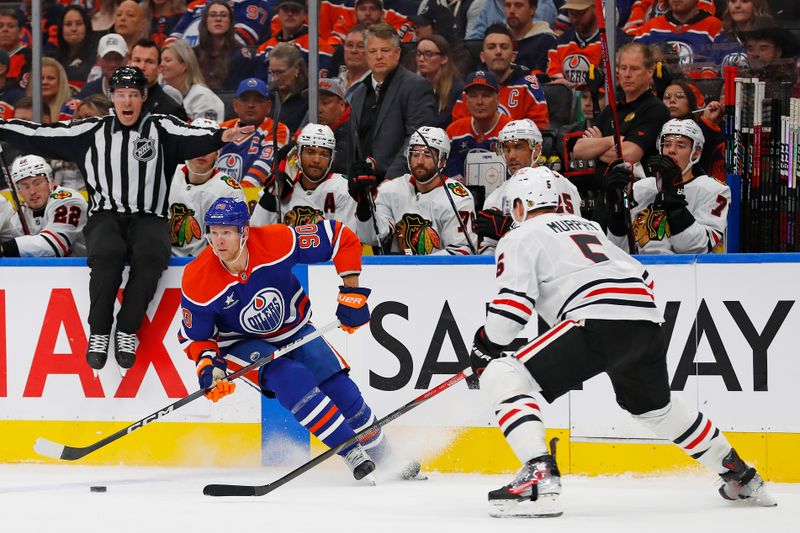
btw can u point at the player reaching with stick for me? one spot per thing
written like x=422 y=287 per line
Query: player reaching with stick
x=601 y=303
x=241 y=301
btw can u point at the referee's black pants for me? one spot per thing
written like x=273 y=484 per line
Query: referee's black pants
x=111 y=239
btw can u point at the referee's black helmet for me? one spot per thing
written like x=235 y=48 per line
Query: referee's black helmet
x=128 y=78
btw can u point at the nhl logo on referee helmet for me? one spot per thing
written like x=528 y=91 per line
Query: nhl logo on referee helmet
x=144 y=149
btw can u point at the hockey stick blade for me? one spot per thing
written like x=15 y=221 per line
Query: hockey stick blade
x=261 y=490
x=54 y=450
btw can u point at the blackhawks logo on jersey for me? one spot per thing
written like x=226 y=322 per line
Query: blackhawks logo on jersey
x=650 y=225
x=60 y=195
x=458 y=189
x=301 y=215
x=231 y=182
x=183 y=227
x=416 y=234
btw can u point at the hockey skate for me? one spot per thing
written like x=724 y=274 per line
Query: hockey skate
x=534 y=492
x=742 y=483
x=97 y=353
x=125 y=350
x=360 y=464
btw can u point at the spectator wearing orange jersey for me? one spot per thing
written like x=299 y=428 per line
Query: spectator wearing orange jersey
x=11 y=41
x=9 y=90
x=520 y=95
x=644 y=10
x=369 y=12
x=577 y=48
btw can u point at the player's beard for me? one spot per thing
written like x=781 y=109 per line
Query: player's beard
x=423 y=175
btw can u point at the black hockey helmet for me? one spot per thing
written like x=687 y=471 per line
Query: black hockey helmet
x=128 y=78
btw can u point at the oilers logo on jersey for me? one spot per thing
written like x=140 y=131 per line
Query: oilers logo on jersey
x=417 y=235
x=264 y=312
x=230 y=164
x=300 y=215
x=183 y=226
x=575 y=68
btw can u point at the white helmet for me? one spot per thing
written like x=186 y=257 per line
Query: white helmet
x=317 y=135
x=687 y=128
x=26 y=166
x=534 y=187
x=205 y=123
x=435 y=138
x=520 y=130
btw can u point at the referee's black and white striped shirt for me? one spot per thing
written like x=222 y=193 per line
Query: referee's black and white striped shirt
x=127 y=169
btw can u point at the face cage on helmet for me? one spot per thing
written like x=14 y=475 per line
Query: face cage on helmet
x=695 y=147
x=440 y=161
x=327 y=170
x=531 y=142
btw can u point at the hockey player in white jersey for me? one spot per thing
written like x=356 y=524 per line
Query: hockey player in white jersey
x=673 y=211
x=414 y=210
x=55 y=215
x=520 y=145
x=195 y=186
x=601 y=303
x=312 y=193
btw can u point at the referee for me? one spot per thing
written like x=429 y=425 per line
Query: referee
x=128 y=159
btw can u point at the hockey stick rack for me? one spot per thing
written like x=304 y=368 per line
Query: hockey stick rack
x=54 y=450
x=261 y=490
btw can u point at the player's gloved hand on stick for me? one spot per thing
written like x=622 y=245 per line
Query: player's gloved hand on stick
x=664 y=167
x=616 y=179
x=483 y=351
x=360 y=186
x=352 y=310
x=662 y=78
x=211 y=373
x=492 y=223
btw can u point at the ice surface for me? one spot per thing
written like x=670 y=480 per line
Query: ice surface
x=56 y=499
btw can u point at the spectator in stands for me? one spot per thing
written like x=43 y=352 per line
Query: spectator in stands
x=576 y=49
x=369 y=12
x=677 y=209
x=9 y=90
x=644 y=10
x=250 y=22
x=146 y=55
x=770 y=49
x=23 y=110
x=532 y=38
x=292 y=14
x=478 y=131
x=249 y=161
x=355 y=68
x=435 y=64
x=103 y=19
x=77 y=47
x=642 y=115
x=288 y=75
x=414 y=212
x=112 y=53
x=131 y=23
x=96 y=105
x=493 y=12
x=11 y=41
x=688 y=32
x=223 y=62
x=163 y=15
x=521 y=96
x=55 y=90
x=179 y=69
x=388 y=106
x=436 y=19
x=568 y=135
x=741 y=15
x=334 y=112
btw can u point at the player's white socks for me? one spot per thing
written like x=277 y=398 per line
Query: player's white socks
x=510 y=387
x=692 y=431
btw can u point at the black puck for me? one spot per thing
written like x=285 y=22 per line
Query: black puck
x=98 y=488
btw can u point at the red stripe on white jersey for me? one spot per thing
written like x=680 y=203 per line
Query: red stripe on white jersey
x=620 y=290
x=64 y=248
x=513 y=303
x=545 y=340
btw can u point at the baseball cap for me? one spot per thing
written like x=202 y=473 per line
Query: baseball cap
x=483 y=78
x=332 y=86
x=578 y=5
x=297 y=3
x=252 y=85
x=378 y=3
x=4 y=59
x=434 y=15
x=112 y=42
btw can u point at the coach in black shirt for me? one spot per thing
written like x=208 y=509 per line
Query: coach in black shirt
x=128 y=159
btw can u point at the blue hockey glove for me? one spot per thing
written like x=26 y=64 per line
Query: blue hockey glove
x=352 y=311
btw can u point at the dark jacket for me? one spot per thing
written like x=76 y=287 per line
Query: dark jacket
x=160 y=102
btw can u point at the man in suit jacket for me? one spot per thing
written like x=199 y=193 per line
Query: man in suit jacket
x=388 y=107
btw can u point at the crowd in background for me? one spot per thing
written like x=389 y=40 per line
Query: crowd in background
x=532 y=59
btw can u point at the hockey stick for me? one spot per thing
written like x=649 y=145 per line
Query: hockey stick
x=261 y=490
x=461 y=223
x=611 y=98
x=17 y=204
x=51 y=449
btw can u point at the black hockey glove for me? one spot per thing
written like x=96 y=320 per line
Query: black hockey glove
x=360 y=186
x=664 y=167
x=284 y=184
x=595 y=79
x=283 y=152
x=483 y=351
x=492 y=224
x=672 y=201
x=662 y=78
x=616 y=179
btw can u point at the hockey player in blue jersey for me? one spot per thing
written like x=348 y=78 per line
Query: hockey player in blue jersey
x=241 y=300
